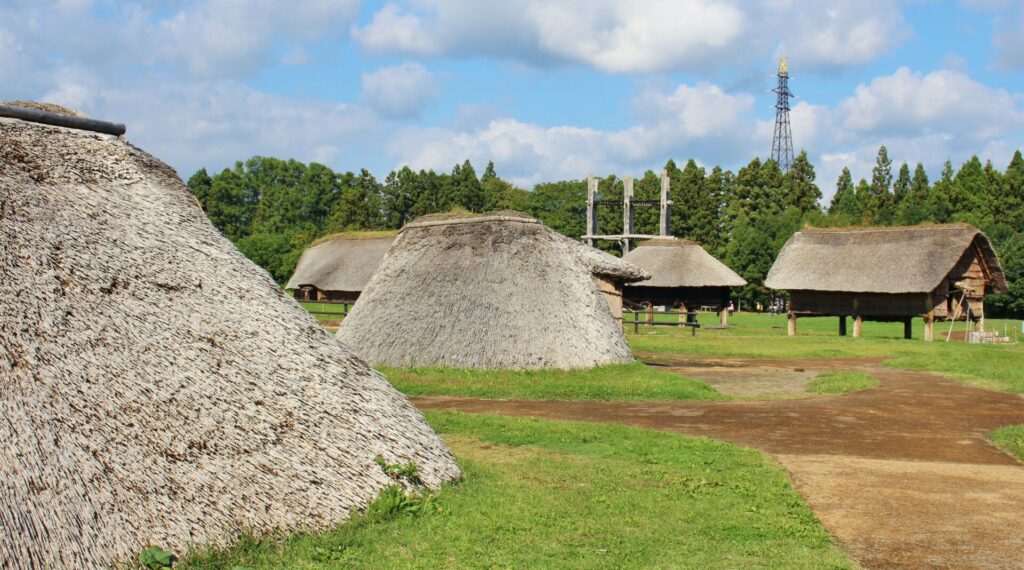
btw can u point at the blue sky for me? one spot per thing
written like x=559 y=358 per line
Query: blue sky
x=546 y=89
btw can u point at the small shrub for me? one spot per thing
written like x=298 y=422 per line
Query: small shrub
x=156 y=558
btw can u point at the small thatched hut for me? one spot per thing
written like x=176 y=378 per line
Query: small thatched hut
x=683 y=275
x=338 y=267
x=499 y=290
x=157 y=387
x=940 y=272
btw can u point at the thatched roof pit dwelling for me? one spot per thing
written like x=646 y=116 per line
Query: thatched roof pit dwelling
x=338 y=267
x=157 y=387
x=683 y=275
x=940 y=272
x=499 y=290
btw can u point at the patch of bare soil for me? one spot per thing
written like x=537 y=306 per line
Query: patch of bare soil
x=901 y=474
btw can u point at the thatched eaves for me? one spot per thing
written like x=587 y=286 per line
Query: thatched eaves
x=676 y=263
x=912 y=259
x=344 y=262
x=157 y=387
x=487 y=291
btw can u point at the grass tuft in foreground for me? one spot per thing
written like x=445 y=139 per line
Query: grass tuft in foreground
x=842 y=383
x=542 y=494
x=1011 y=440
x=615 y=382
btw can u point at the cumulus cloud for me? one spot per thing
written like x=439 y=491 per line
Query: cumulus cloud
x=839 y=34
x=639 y=36
x=702 y=121
x=908 y=103
x=1009 y=41
x=400 y=91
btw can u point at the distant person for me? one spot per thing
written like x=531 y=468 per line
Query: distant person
x=731 y=308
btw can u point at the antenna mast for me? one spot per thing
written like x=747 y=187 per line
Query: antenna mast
x=782 y=142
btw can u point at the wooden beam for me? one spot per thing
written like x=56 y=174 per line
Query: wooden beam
x=663 y=218
x=929 y=327
x=842 y=325
x=627 y=211
x=792 y=324
x=591 y=208
x=857 y=322
x=908 y=329
x=724 y=314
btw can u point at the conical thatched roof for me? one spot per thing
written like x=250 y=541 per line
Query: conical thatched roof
x=156 y=387
x=680 y=263
x=495 y=291
x=343 y=262
x=912 y=259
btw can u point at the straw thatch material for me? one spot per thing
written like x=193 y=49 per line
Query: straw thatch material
x=679 y=263
x=879 y=260
x=340 y=265
x=495 y=291
x=156 y=387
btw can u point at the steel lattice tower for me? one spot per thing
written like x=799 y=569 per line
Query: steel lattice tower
x=782 y=142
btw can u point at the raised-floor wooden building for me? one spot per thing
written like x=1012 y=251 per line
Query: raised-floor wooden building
x=338 y=267
x=939 y=272
x=683 y=275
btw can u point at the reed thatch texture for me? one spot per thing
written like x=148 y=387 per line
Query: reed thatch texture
x=156 y=387
x=500 y=290
x=676 y=263
x=341 y=263
x=913 y=259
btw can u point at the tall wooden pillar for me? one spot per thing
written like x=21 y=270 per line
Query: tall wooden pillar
x=929 y=327
x=627 y=211
x=650 y=313
x=792 y=324
x=683 y=316
x=724 y=313
x=857 y=321
x=663 y=229
x=908 y=329
x=591 y=208
x=842 y=325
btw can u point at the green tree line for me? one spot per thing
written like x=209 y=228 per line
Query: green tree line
x=272 y=208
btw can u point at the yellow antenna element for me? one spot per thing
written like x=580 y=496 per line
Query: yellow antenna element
x=783 y=68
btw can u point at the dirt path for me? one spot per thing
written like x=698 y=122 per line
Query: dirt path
x=901 y=474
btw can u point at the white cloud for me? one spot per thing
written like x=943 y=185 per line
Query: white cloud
x=702 y=121
x=400 y=91
x=640 y=36
x=838 y=34
x=909 y=103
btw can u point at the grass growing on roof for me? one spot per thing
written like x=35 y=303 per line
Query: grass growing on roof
x=1011 y=440
x=613 y=382
x=843 y=382
x=750 y=335
x=543 y=494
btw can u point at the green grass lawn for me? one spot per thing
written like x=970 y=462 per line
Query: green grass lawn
x=615 y=382
x=994 y=367
x=842 y=383
x=1011 y=440
x=542 y=494
x=325 y=311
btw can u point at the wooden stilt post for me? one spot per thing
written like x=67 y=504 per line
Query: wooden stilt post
x=591 y=208
x=627 y=212
x=929 y=327
x=908 y=328
x=683 y=316
x=792 y=324
x=724 y=314
x=650 y=313
x=842 y=325
x=857 y=321
x=663 y=229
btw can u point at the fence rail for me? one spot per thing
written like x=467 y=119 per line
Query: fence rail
x=649 y=320
x=312 y=308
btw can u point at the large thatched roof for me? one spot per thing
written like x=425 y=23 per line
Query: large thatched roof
x=156 y=387
x=911 y=259
x=344 y=262
x=494 y=291
x=681 y=263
